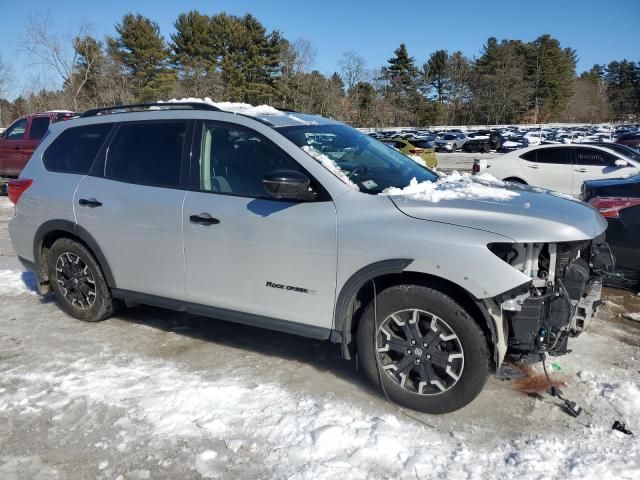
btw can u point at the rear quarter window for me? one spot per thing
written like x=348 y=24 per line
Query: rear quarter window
x=75 y=149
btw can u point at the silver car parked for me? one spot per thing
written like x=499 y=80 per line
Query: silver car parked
x=301 y=224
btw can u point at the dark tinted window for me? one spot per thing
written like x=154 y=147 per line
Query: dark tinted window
x=75 y=149
x=234 y=160
x=38 y=128
x=558 y=156
x=423 y=144
x=147 y=154
x=16 y=131
x=590 y=156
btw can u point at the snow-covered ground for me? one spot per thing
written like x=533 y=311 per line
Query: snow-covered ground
x=158 y=394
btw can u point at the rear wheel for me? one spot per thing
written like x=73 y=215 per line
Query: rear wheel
x=77 y=281
x=423 y=349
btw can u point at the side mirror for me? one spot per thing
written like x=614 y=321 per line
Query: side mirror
x=621 y=163
x=287 y=185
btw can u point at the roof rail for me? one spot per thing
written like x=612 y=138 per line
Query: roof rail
x=166 y=105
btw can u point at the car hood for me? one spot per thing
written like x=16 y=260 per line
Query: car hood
x=612 y=182
x=534 y=215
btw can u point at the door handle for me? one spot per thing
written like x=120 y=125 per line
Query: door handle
x=535 y=167
x=581 y=170
x=89 y=202
x=16 y=148
x=204 y=219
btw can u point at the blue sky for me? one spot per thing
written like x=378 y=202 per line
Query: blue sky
x=600 y=31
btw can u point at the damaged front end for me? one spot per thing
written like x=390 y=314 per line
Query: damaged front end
x=560 y=300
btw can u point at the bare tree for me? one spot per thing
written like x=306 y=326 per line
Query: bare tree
x=352 y=67
x=6 y=77
x=297 y=59
x=60 y=54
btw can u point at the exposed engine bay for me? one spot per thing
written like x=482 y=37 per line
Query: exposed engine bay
x=562 y=297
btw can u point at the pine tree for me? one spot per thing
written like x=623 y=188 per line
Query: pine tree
x=144 y=55
x=435 y=73
x=402 y=78
x=551 y=71
x=623 y=85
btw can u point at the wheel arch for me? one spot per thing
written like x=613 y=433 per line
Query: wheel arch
x=359 y=290
x=515 y=180
x=51 y=231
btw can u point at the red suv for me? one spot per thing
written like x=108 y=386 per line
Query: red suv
x=18 y=142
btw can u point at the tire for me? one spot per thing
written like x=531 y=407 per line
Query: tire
x=453 y=148
x=376 y=334
x=486 y=149
x=75 y=297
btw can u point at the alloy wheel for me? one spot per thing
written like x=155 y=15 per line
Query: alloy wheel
x=75 y=280
x=419 y=351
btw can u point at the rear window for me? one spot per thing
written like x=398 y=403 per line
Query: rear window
x=147 y=154
x=75 y=149
x=38 y=128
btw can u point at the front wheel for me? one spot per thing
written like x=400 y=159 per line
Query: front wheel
x=423 y=349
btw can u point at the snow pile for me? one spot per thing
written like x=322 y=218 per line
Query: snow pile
x=330 y=165
x=232 y=107
x=455 y=186
x=299 y=436
x=632 y=316
x=623 y=396
x=14 y=282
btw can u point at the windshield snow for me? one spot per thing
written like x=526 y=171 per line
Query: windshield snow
x=356 y=158
x=456 y=186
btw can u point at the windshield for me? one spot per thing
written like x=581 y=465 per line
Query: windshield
x=368 y=163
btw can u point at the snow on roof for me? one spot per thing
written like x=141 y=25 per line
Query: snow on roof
x=232 y=107
x=455 y=186
x=277 y=118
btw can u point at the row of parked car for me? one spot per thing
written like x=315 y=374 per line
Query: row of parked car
x=513 y=138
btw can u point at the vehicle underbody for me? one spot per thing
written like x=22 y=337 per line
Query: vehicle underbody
x=561 y=298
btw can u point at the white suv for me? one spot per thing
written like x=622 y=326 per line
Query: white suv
x=301 y=224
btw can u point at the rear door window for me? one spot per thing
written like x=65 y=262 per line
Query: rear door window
x=75 y=149
x=38 y=127
x=147 y=154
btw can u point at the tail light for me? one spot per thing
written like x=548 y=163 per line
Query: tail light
x=416 y=151
x=609 y=207
x=476 y=167
x=17 y=187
